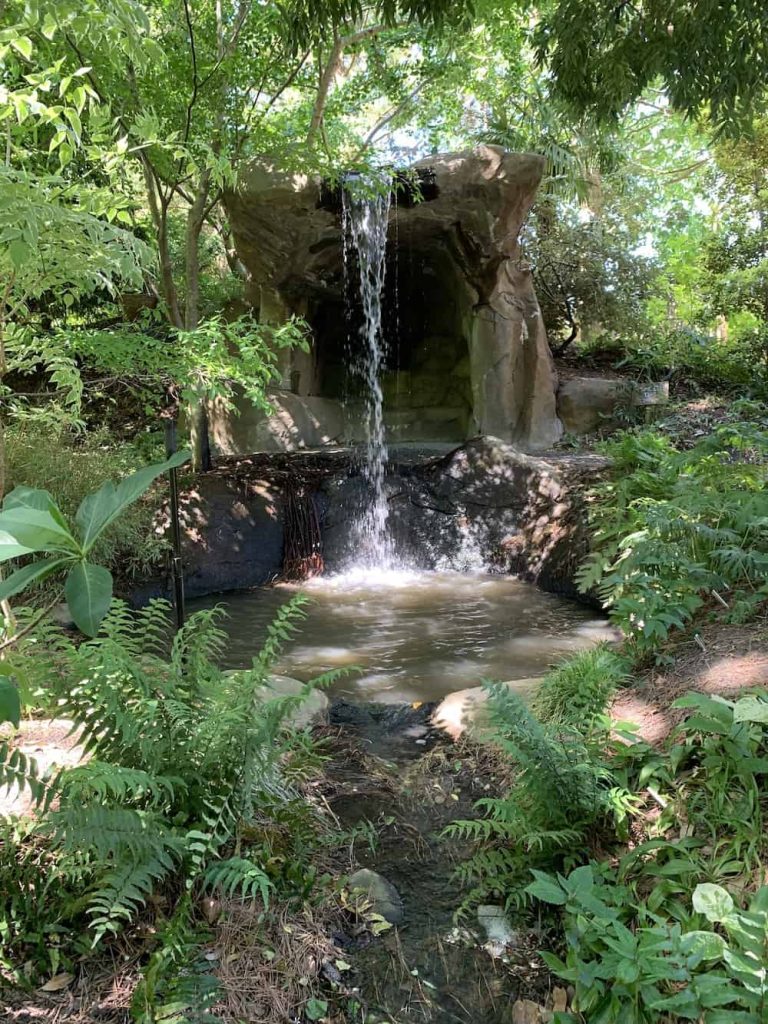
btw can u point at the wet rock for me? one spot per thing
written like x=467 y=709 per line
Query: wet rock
x=465 y=711
x=383 y=897
x=313 y=710
x=466 y=234
x=232 y=533
x=495 y=923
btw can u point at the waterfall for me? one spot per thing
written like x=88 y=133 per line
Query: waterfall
x=366 y=205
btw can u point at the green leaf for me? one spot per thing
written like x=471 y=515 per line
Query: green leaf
x=751 y=709
x=702 y=945
x=35 y=530
x=10 y=703
x=712 y=901
x=10 y=547
x=88 y=591
x=19 y=252
x=546 y=889
x=315 y=1009
x=24 y=46
x=100 y=509
x=22 y=578
x=32 y=497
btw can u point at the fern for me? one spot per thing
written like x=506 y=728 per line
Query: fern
x=183 y=758
x=238 y=876
x=561 y=793
x=671 y=526
x=176 y=985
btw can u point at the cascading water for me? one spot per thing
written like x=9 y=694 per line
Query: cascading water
x=366 y=206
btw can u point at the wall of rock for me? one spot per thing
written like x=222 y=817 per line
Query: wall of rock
x=483 y=504
x=468 y=350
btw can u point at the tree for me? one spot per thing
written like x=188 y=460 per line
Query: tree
x=711 y=58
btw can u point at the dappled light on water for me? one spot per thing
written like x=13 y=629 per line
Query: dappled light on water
x=414 y=635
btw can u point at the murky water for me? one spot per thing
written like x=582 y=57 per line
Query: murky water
x=414 y=636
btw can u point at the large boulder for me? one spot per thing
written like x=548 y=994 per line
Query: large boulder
x=464 y=292
x=483 y=504
x=585 y=404
x=232 y=533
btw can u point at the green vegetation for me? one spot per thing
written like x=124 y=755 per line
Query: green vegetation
x=125 y=126
x=678 y=530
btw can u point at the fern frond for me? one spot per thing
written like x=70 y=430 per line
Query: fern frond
x=102 y=781
x=240 y=876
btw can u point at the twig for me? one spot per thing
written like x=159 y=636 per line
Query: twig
x=32 y=625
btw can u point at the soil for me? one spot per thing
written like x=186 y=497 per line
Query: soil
x=724 y=661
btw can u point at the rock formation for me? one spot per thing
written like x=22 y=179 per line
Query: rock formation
x=468 y=353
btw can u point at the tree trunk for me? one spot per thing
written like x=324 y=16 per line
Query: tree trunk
x=198 y=415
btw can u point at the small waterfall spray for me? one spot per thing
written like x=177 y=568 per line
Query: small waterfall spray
x=366 y=206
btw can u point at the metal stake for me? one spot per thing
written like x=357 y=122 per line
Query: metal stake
x=177 y=569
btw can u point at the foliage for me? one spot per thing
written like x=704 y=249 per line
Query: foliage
x=672 y=527
x=576 y=693
x=589 y=279
x=562 y=793
x=185 y=761
x=31 y=523
x=656 y=969
x=656 y=934
x=70 y=465
x=603 y=57
x=215 y=361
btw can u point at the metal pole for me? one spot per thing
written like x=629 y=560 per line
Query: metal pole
x=177 y=570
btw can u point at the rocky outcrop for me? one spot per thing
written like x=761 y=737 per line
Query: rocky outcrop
x=589 y=404
x=482 y=505
x=468 y=348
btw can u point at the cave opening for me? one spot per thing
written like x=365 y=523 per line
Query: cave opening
x=426 y=315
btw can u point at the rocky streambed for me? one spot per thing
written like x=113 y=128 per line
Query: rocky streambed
x=402 y=781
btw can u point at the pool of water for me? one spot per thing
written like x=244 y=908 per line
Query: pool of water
x=412 y=636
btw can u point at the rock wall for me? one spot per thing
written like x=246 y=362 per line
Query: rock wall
x=484 y=504
x=468 y=349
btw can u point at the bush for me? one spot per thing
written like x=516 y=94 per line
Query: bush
x=187 y=764
x=671 y=527
x=655 y=935
x=577 y=692
x=562 y=794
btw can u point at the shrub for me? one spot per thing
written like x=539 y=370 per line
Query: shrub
x=186 y=763
x=562 y=793
x=577 y=692
x=672 y=526
x=654 y=935
x=74 y=465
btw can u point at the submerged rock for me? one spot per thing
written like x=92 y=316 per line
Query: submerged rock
x=383 y=897
x=313 y=710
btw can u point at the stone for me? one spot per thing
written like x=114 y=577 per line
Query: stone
x=313 y=709
x=483 y=504
x=466 y=297
x=525 y=1011
x=587 y=404
x=499 y=933
x=465 y=712
x=294 y=422
x=382 y=896
x=232 y=533
x=61 y=615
